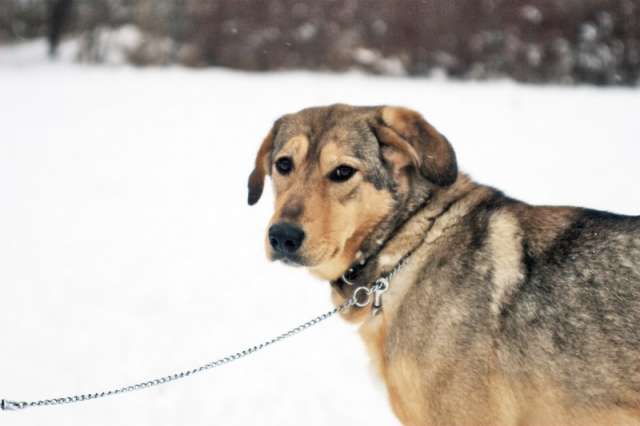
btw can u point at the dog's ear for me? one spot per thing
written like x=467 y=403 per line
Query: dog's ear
x=410 y=134
x=262 y=167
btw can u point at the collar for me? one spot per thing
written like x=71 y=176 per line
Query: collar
x=369 y=291
x=355 y=276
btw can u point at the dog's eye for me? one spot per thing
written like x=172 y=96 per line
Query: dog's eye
x=284 y=165
x=342 y=173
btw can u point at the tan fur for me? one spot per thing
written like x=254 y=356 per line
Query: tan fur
x=373 y=335
x=351 y=228
x=403 y=376
x=297 y=147
x=505 y=240
x=542 y=402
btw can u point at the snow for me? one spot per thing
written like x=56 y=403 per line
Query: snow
x=128 y=250
x=33 y=53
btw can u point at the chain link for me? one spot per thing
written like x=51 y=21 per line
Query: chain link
x=8 y=405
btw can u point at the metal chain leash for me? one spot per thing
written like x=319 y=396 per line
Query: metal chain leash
x=9 y=405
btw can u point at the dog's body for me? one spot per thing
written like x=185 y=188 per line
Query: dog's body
x=509 y=314
x=502 y=313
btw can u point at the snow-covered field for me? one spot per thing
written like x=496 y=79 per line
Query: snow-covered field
x=127 y=250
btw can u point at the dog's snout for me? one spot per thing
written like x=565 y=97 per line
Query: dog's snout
x=285 y=238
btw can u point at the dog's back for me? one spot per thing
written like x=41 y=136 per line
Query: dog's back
x=531 y=315
x=574 y=318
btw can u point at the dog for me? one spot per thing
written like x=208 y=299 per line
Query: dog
x=497 y=312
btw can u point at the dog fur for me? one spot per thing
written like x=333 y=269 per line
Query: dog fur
x=503 y=314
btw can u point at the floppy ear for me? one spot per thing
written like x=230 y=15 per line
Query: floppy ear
x=261 y=169
x=428 y=150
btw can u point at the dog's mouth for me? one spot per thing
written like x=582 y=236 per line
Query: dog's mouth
x=301 y=260
x=289 y=260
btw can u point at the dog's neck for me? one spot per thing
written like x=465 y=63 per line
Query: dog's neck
x=398 y=236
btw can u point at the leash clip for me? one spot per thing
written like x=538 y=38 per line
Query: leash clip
x=379 y=288
x=7 y=405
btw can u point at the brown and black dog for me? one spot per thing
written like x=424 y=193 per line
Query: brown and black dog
x=502 y=313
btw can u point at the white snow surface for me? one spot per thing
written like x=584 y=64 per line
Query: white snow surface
x=127 y=249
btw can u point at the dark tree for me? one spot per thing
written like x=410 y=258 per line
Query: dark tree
x=58 y=15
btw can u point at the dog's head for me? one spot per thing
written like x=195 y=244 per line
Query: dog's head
x=338 y=173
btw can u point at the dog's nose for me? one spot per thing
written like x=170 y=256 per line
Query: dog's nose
x=285 y=238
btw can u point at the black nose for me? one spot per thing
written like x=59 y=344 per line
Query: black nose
x=285 y=238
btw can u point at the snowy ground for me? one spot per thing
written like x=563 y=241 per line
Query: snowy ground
x=127 y=250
